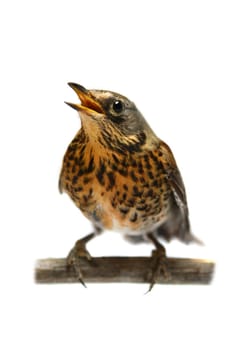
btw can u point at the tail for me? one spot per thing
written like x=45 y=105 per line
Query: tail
x=178 y=226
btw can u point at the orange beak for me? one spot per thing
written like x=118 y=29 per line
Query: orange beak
x=88 y=103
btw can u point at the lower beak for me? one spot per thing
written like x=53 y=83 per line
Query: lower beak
x=88 y=102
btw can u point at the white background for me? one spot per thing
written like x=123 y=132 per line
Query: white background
x=180 y=61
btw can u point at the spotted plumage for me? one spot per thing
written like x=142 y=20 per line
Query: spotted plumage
x=120 y=174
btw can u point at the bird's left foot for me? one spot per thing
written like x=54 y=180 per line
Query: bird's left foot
x=159 y=263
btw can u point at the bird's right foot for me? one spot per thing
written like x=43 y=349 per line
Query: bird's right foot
x=77 y=253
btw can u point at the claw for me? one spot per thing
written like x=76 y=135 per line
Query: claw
x=82 y=282
x=159 y=263
x=78 y=252
x=75 y=263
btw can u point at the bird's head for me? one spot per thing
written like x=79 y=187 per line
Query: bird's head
x=112 y=120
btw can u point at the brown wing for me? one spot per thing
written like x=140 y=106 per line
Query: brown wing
x=178 y=224
x=173 y=176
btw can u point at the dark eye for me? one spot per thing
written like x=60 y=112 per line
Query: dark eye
x=118 y=106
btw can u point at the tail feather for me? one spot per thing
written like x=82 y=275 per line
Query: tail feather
x=178 y=226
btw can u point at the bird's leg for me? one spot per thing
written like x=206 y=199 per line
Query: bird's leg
x=78 y=252
x=159 y=261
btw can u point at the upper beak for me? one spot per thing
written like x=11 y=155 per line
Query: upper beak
x=88 y=103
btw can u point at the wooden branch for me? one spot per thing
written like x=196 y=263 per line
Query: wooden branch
x=125 y=270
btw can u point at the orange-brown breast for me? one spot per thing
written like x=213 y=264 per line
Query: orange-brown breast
x=125 y=192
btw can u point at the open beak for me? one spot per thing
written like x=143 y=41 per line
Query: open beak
x=88 y=103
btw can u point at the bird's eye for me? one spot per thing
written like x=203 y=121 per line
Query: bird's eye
x=118 y=106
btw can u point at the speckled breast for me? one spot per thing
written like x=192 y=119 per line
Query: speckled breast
x=127 y=193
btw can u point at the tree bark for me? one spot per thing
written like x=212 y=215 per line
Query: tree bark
x=125 y=270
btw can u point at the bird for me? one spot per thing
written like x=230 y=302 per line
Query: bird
x=123 y=178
